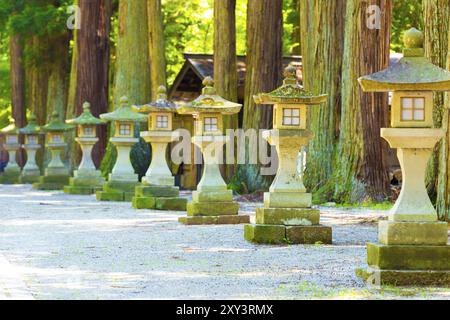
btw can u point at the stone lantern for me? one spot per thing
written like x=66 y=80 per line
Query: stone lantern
x=122 y=180
x=31 y=171
x=57 y=174
x=287 y=215
x=12 y=171
x=87 y=179
x=412 y=245
x=212 y=203
x=158 y=190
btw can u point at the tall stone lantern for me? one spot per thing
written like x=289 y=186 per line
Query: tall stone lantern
x=57 y=174
x=158 y=190
x=212 y=203
x=287 y=216
x=31 y=171
x=12 y=171
x=87 y=179
x=412 y=245
x=122 y=180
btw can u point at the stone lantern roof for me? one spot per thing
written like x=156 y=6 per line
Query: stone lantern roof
x=162 y=104
x=291 y=92
x=55 y=124
x=32 y=126
x=412 y=72
x=210 y=102
x=11 y=128
x=86 y=118
x=124 y=113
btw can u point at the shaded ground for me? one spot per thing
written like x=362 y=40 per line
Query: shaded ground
x=54 y=246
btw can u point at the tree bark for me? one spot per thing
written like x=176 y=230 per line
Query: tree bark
x=225 y=63
x=322 y=38
x=362 y=173
x=18 y=87
x=157 y=46
x=264 y=73
x=92 y=64
x=436 y=29
x=132 y=78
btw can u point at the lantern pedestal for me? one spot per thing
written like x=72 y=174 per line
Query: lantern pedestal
x=31 y=171
x=11 y=175
x=122 y=180
x=57 y=175
x=157 y=190
x=287 y=216
x=212 y=203
x=412 y=248
x=87 y=179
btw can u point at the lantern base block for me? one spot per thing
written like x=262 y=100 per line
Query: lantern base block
x=404 y=265
x=287 y=200
x=210 y=220
x=157 y=197
x=85 y=183
x=30 y=176
x=51 y=182
x=11 y=176
x=121 y=191
x=413 y=233
x=212 y=208
x=281 y=234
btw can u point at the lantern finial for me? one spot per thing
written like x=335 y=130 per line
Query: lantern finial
x=413 y=39
x=208 y=84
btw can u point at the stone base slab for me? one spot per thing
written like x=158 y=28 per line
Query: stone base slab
x=413 y=233
x=152 y=203
x=212 y=208
x=28 y=179
x=280 y=234
x=49 y=183
x=287 y=200
x=157 y=191
x=208 y=220
x=212 y=196
x=81 y=190
x=375 y=276
x=10 y=177
x=114 y=196
x=287 y=216
x=408 y=257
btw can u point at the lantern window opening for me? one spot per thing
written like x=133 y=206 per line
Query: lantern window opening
x=291 y=117
x=12 y=139
x=125 y=129
x=413 y=109
x=56 y=138
x=162 y=122
x=32 y=139
x=210 y=124
x=88 y=131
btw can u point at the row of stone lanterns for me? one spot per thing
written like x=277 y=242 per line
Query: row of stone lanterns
x=412 y=246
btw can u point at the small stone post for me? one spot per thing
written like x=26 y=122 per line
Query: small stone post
x=12 y=171
x=31 y=172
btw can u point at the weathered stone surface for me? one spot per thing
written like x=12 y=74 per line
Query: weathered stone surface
x=376 y=276
x=212 y=208
x=109 y=196
x=309 y=235
x=157 y=191
x=120 y=186
x=212 y=196
x=28 y=179
x=79 y=190
x=287 y=200
x=143 y=202
x=55 y=179
x=408 y=257
x=10 y=177
x=174 y=204
x=265 y=234
x=413 y=233
x=87 y=182
x=287 y=216
x=48 y=183
x=199 y=220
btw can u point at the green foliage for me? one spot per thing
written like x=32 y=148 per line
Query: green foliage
x=5 y=89
x=406 y=14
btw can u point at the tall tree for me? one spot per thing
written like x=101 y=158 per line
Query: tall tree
x=264 y=72
x=157 y=46
x=362 y=172
x=436 y=15
x=17 y=70
x=322 y=38
x=132 y=77
x=92 y=64
x=225 y=62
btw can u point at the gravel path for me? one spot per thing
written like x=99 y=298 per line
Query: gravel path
x=54 y=246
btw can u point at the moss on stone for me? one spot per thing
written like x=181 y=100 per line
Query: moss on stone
x=212 y=208
x=265 y=234
x=287 y=216
x=156 y=191
x=173 y=204
x=309 y=234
